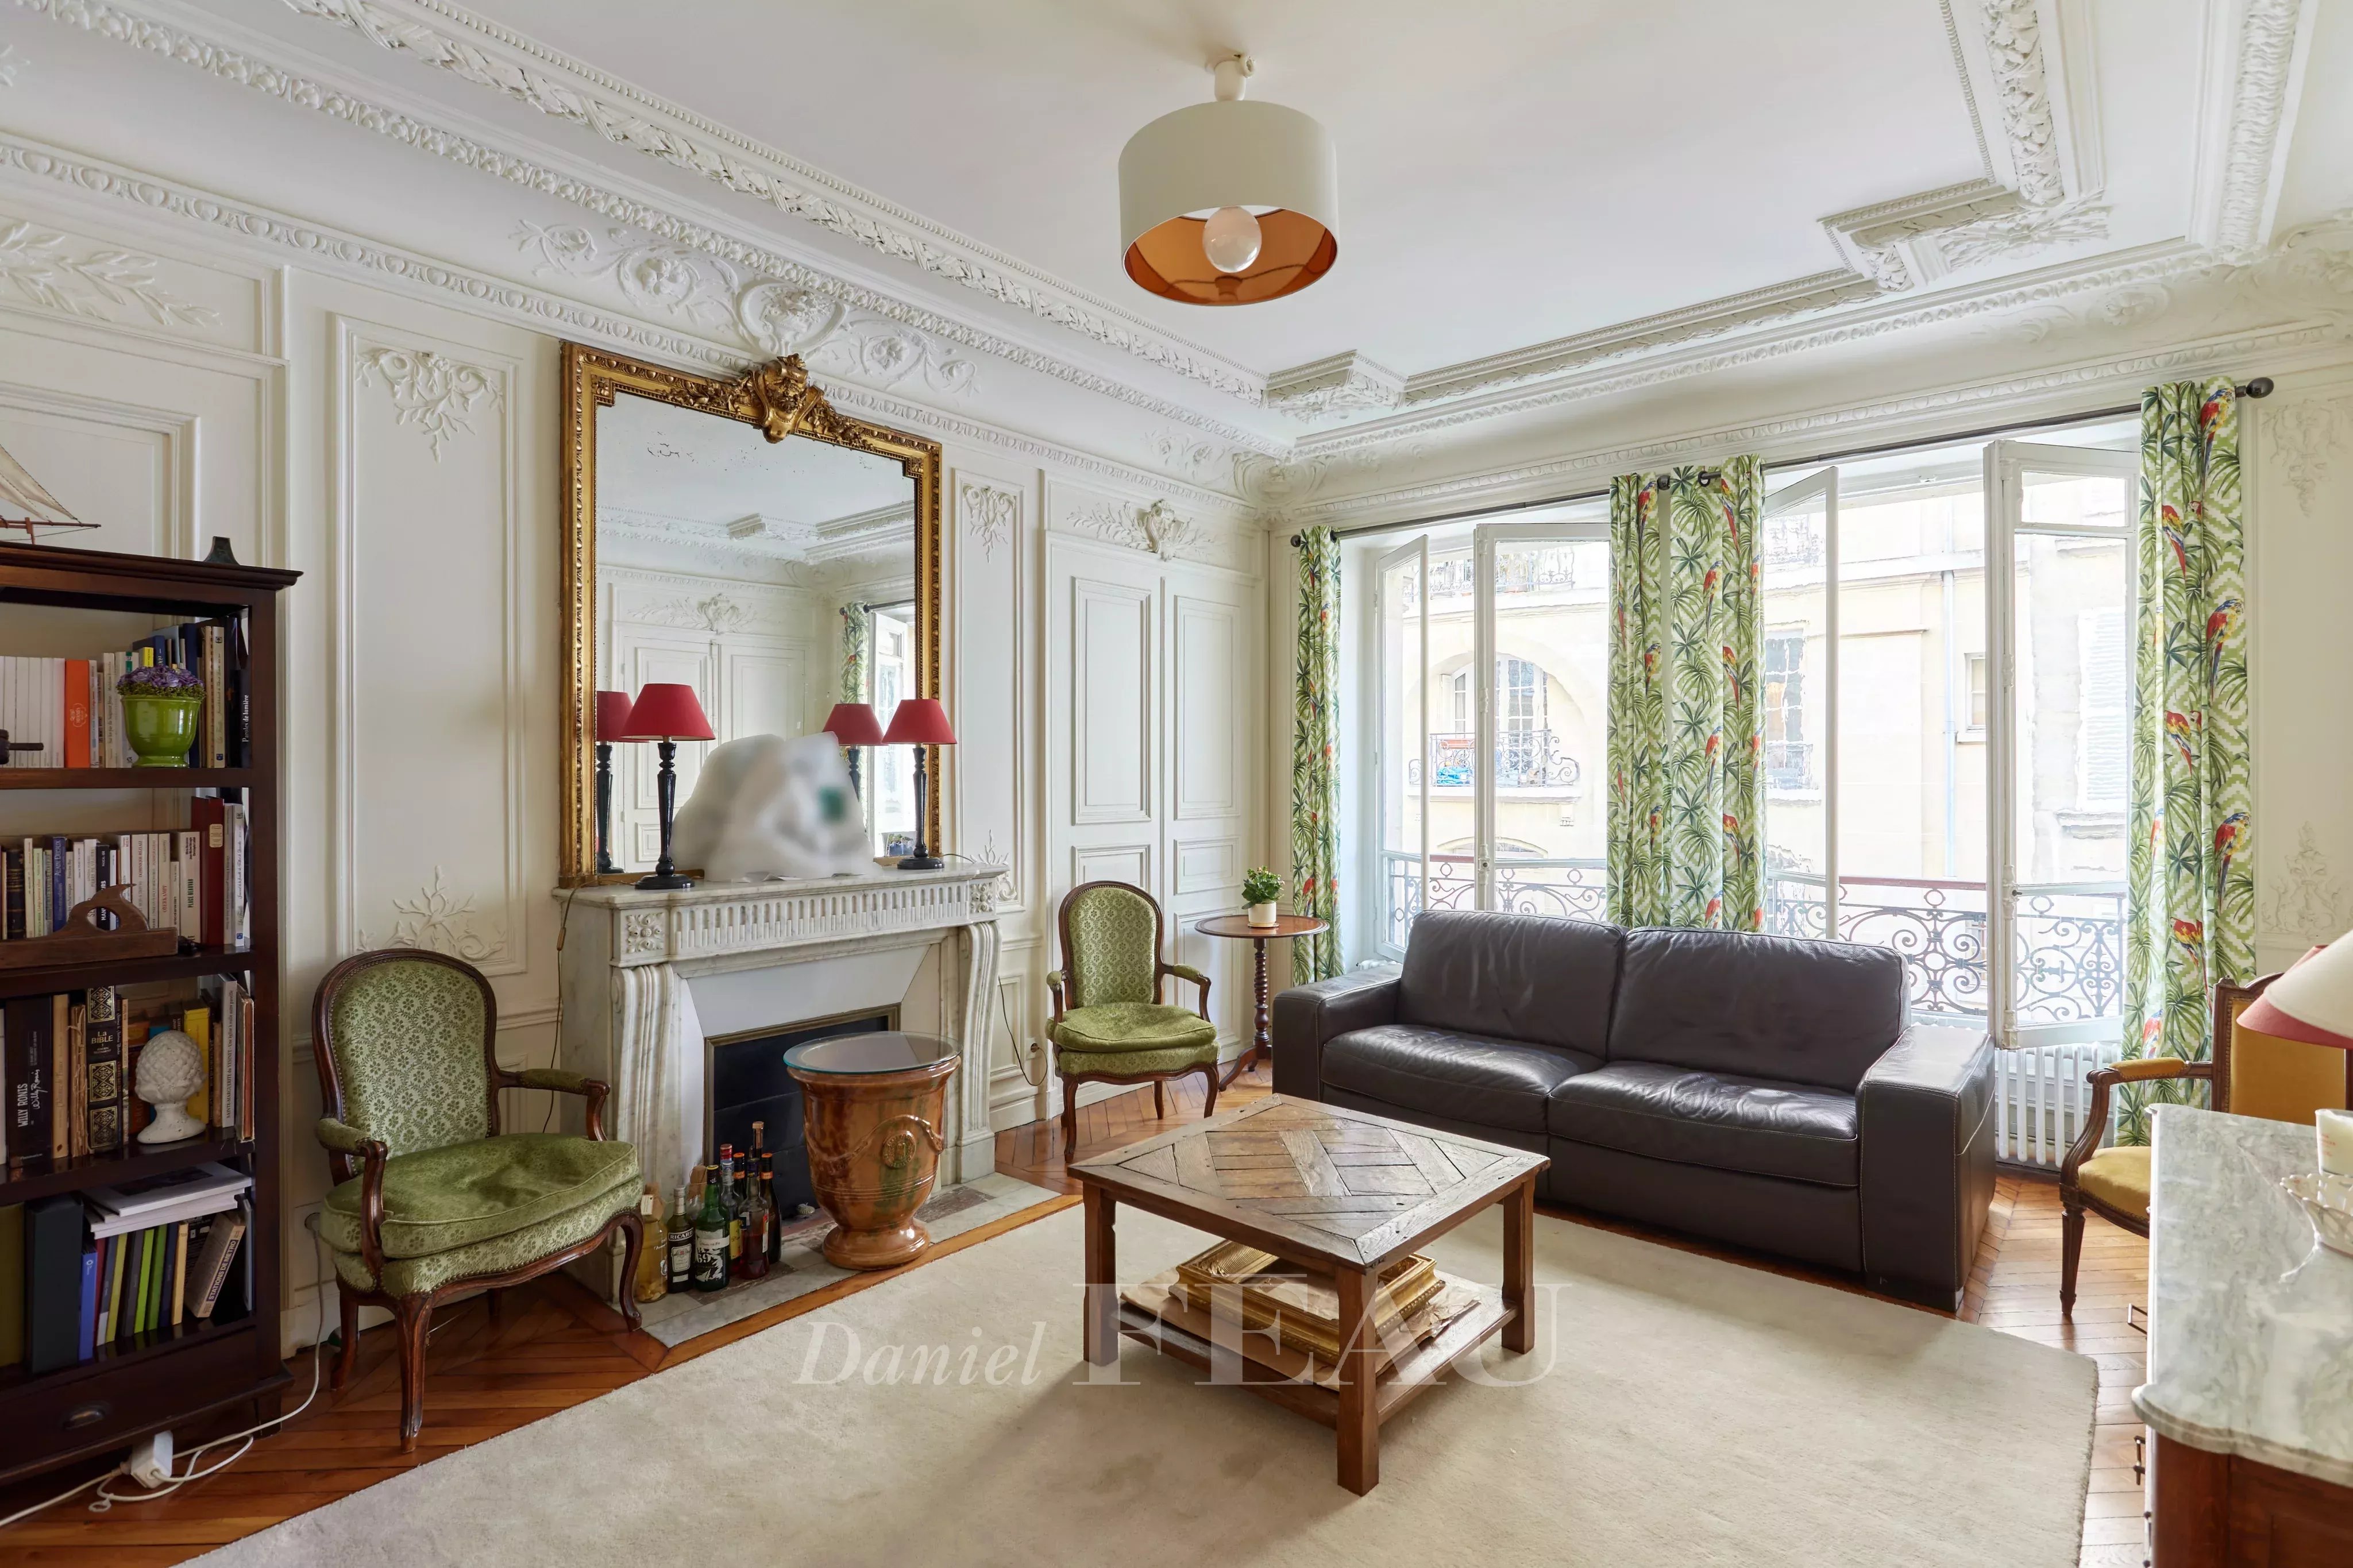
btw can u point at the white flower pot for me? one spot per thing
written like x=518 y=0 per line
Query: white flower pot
x=1263 y=914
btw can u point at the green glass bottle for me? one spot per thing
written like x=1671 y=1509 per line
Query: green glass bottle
x=681 y=1239
x=710 y=1235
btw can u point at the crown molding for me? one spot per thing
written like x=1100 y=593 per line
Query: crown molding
x=1334 y=387
x=477 y=50
x=2255 y=55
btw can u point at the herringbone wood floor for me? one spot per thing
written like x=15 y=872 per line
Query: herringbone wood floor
x=555 y=1347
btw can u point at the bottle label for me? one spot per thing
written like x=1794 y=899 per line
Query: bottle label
x=710 y=1257
x=682 y=1255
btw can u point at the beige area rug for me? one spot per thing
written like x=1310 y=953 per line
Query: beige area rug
x=1678 y=1410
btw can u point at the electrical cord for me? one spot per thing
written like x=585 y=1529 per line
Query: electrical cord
x=106 y=1499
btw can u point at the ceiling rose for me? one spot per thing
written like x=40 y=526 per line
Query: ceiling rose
x=1229 y=203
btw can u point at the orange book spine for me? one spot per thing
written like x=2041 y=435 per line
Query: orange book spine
x=77 y=696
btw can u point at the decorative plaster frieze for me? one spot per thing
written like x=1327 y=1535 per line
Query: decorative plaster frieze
x=2308 y=902
x=440 y=922
x=2303 y=436
x=1189 y=458
x=1878 y=239
x=653 y=596
x=568 y=89
x=2026 y=232
x=1333 y=388
x=102 y=282
x=11 y=63
x=1157 y=528
x=431 y=390
x=2014 y=45
x=2273 y=39
x=990 y=514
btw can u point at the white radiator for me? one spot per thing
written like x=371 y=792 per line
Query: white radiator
x=2041 y=1100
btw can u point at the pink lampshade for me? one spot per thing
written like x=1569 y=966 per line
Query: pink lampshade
x=666 y=711
x=2313 y=1002
x=854 y=724
x=612 y=714
x=919 y=721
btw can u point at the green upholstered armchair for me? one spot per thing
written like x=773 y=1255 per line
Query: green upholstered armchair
x=1109 y=1025
x=433 y=1204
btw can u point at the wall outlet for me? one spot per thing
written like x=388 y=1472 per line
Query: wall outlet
x=151 y=1460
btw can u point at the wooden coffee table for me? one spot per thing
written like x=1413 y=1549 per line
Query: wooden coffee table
x=1341 y=1192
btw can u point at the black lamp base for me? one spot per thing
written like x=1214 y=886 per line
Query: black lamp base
x=664 y=882
x=915 y=863
x=665 y=878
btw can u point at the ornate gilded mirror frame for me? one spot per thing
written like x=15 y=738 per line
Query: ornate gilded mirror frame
x=777 y=398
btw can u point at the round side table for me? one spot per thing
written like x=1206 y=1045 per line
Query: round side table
x=874 y=1125
x=1261 y=1046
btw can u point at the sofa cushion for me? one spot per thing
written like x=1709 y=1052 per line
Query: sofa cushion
x=1512 y=977
x=1766 y=1128
x=1766 y=1006
x=1461 y=1078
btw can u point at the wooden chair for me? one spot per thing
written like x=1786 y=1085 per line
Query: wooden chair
x=2113 y=1182
x=1109 y=1025
x=433 y=1204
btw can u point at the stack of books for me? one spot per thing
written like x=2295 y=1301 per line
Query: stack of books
x=115 y=1264
x=67 y=1061
x=195 y=880
x=68 y=707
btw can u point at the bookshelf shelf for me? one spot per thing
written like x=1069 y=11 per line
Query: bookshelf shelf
x=40 y=1179
x=167 y=1377
x=125 y=778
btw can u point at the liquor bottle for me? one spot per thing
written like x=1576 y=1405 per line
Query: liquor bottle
x=710 y=1235
x=681 y=1243
x=730 y=1203
x=745 y=1218
x=775 y=1214
x=653 y=1244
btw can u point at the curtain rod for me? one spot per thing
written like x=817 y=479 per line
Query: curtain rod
x=2260 y=386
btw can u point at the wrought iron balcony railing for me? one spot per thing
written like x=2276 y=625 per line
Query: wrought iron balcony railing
x=1524 y=759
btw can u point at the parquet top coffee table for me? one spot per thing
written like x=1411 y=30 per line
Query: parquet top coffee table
x=1338 y=1192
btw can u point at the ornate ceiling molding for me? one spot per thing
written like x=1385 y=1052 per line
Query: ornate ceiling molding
x=2241 y=189
x=524 y=71
x=2023 y=91
x=1335 y=388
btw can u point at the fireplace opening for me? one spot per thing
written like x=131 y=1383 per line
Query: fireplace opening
x=749 y=1083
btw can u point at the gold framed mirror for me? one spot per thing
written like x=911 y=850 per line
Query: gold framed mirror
x=738 y=535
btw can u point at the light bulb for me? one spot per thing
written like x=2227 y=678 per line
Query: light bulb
x=1231 y=238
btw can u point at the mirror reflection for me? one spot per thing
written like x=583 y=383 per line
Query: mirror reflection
x=775 y=579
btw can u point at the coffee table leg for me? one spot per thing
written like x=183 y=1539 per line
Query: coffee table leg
x=1519 y=1267
x=1101 y=1324
x=1360 y=1421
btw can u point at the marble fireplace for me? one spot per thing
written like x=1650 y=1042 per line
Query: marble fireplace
x=650 y=978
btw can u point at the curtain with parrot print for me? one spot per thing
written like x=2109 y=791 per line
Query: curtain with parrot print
x=2189 y=875
x=1314 y=758
x=857 y=642
x=1686 y=798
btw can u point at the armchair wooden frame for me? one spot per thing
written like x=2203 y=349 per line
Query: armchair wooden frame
x=2214 y=1072
x=1059 y=988
x=365 y=1158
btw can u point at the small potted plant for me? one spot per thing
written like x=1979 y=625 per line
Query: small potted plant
x=160 y=704
x=1261 y=888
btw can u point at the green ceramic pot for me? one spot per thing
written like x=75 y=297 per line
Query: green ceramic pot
x=161 y=728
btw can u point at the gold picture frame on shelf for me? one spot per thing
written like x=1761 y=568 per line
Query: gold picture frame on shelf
x=780 y=403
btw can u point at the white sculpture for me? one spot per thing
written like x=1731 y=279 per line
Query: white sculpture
x=764 y=807
x=171 y=1069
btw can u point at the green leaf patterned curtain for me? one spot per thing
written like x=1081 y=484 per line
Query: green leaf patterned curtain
x=1686 y=805
x=2189 y=870
x=857 y=644
x=1314 y=758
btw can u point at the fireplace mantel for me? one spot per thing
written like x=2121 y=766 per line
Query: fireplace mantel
x=639 y=970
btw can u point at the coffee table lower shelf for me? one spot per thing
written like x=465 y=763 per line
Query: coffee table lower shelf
x=1424 y=1366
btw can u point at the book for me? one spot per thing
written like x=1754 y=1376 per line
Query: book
x=213 y=1263
x=237 y=886
x=86 y=1312
x=208 y=817
x=109 y=1311
x=28 y=1082
x=196 y=1022
x=179 y=1271
x=77 y=1082
x=13 y=912
x=12 y=1284
x=154 y=1199
x=102 y=1046
x=76 y=702
x=60 y=1079
x=53 y=1251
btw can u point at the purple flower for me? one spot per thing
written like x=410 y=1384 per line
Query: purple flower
x=161 y=680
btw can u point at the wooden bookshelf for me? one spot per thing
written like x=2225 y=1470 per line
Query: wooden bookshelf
x=171 y=1377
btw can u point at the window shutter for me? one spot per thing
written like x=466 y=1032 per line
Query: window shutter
x=2101 y=771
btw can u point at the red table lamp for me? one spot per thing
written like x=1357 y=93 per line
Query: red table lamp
x=612 y=719
x=853 y=725
x=667 y=711
x=918 y=721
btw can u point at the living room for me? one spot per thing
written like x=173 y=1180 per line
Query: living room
x=1633 y=718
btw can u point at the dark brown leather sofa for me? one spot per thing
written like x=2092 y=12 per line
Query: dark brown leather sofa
x=1757 y=1090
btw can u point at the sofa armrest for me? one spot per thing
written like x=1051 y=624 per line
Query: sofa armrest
x=1925 y=1116
x=1305 y=1017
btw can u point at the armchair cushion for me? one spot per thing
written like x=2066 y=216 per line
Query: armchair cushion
x=1133 y=1027
x=1138 y=1063
x=499 y=1254
x=407 y=1039
x=453 y=1197
x=2119 y=1177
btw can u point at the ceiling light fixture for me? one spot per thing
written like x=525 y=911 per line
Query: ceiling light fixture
x=1229 y=203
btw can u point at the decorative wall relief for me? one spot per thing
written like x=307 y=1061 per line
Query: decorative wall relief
x=716 y=614
x=1156 y=527
x=11 y=62
x=431 y=390
x=438 y=922
x=2303 y=436
x=989 y=514
x=104 y=283
x=2308 y=903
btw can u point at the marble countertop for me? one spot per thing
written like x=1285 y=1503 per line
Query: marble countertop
x=625 y=896
x=2251 y=1319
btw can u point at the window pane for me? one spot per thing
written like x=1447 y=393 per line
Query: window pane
x=892 y=792
x=1912 y=747
x=1552 y=688
x=1795 y=680
x=1402 y=763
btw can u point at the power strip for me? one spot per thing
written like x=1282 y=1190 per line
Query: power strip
x=151 y=1460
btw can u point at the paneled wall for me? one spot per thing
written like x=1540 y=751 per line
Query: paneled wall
x=401 y=455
